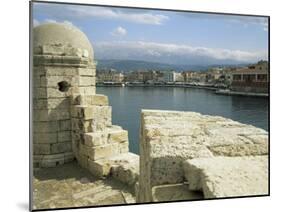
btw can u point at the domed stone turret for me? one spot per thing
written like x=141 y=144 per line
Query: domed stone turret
x=63 y=68
x=62 y=34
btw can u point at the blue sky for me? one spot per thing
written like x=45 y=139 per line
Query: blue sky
x=163 y=36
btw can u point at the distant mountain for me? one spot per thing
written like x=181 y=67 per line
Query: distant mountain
x=135 y=65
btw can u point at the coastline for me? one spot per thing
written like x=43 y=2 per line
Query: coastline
x=216 y=90
x=236 y=93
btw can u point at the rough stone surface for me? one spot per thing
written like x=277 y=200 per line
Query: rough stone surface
x=63 y=67
x=228 y=176
x=69 y=185
x=123 y=167
x=167 y=138
x=64 y=37
x=97 y=99
x=99 y=146
x=174 y=192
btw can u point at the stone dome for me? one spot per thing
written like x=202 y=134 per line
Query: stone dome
x=58 y=33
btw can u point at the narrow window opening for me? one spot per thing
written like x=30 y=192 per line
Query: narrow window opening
x=63 y=86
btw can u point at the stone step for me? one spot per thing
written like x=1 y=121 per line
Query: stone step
x=221 y=177
x=109 y=135
x=123 y=167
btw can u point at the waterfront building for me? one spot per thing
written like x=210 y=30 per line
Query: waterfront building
x=194 y=76
x=178 y=77
x=134 y=76
x=172 y=76
x=253 y=78
x=109 y=75
x=168 y=76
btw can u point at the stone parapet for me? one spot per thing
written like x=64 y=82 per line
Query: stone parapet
x=228 y=176
x=167 y=138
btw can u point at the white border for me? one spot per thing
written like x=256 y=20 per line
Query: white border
x=15 y=105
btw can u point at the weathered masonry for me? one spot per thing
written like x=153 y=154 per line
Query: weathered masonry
x=63 y=66
x=188 y=154
x=197 y=156
x=69 y=119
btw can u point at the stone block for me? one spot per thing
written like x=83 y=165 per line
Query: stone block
x=60 y=71
x=71 y=51
x=68 y=157
x=40 y=115
x=61 y=147
x=87 y=71
x=44 y=127
x=83 y=112
x=54 y=92
x=51 y=103
x=64 y=136
x=126 y=172
x=118 y=136
x=41 y=149
x=50 y=115
x=95 y=139
x=39 y=93
x=97 y=99
x=64 y=125
x=73 y=61
x=86 y=81
x=123 y=147
x=123 y=167
x=99 y=168
x=84 y=90
x=99 y=117
x=45 y=138
x=52 y=49
x=167 y=138
x=80 y=126
x=52 y=160
x=37 y=159
x=228 y=176
x=174 y=192
x=40 y=104
x=105 y=151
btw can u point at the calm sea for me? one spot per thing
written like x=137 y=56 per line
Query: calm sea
x=127 y=103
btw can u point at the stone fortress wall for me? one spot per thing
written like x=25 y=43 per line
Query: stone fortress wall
x=178 y=150
x=210 y=154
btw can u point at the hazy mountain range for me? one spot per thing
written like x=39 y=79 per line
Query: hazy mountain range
x=135 y=65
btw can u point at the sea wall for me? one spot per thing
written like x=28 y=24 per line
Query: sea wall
x=170 y=140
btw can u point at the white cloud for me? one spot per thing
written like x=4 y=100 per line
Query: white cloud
x=247 y=21
x=172 y=52
x=35 y=22
x=119 y=31
x=107 y=13
x=243 y=20
x=50 y=21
